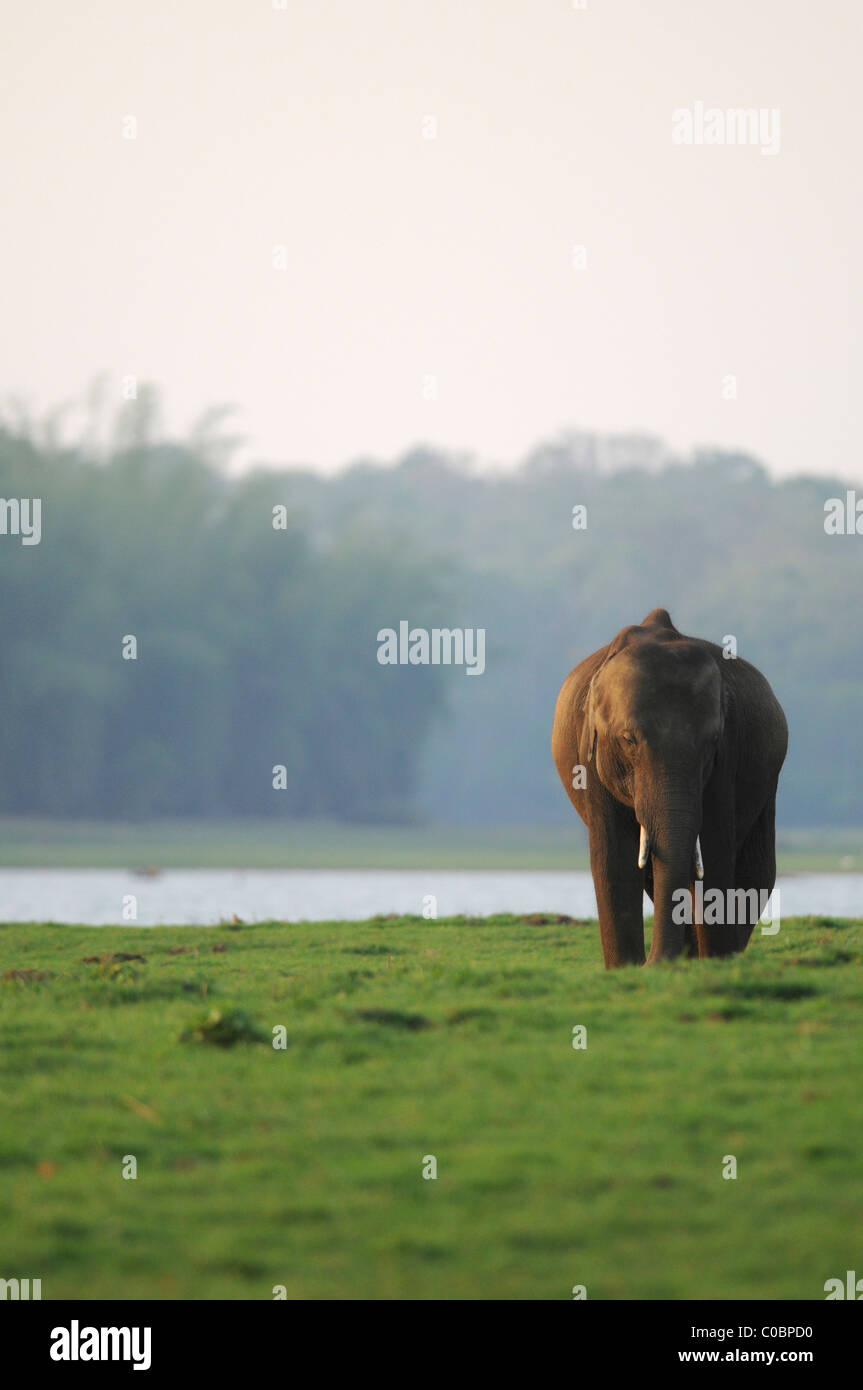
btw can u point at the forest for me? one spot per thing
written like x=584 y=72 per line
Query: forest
x=255 y=598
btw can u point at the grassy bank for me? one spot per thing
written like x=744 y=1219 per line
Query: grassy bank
x=271 y=844
x=302 y=1166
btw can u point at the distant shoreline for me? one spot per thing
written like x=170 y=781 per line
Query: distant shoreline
x=272 y=844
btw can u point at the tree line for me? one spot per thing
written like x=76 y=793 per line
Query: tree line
x=256 y=600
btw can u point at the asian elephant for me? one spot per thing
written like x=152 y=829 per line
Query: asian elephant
x=670 y=752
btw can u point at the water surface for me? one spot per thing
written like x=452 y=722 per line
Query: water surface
x=198 y=897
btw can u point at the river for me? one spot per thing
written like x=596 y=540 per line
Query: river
x=199 y=897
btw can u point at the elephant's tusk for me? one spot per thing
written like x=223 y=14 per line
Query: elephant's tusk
x=643 y=848
x=699 y=862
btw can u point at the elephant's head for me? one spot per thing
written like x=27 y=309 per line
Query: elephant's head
x=654 y=724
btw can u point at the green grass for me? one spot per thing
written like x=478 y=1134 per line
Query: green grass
x=31 y=842
x=405 y=1038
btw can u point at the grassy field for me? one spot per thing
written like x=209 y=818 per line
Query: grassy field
x=303 y=1166
x=276 y=844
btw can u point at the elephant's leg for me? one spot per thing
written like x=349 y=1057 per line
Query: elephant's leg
x=756 y=867
x=690 y=937
x=619 y=884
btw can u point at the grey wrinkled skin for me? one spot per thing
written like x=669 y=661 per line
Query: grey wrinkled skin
x=682 y=750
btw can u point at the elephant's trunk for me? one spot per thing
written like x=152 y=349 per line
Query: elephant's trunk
x=672 y=834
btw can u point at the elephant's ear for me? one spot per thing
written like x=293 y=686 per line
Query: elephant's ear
x=623 y=638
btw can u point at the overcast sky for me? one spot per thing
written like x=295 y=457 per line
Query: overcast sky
x=409 y=258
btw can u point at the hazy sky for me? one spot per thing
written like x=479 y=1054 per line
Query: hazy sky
x=410 y=258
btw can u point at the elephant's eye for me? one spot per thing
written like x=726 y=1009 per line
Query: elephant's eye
x=627 y=736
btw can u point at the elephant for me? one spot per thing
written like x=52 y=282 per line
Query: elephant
x=670 y=751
